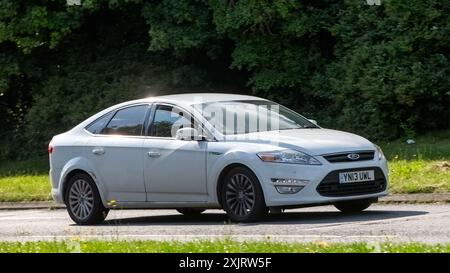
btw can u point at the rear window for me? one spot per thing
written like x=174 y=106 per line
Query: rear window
x=128 y=121
x=97 y=126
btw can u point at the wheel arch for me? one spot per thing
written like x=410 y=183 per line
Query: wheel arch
x=80 y=165
x=69 y=176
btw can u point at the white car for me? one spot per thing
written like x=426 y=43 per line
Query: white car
x=193 y=152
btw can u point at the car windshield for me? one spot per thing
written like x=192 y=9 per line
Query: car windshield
x=241 y=117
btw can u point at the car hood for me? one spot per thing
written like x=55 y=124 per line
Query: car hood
x=315 y=141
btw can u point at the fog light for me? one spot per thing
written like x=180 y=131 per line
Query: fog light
x=289 y=185
x=288 y=189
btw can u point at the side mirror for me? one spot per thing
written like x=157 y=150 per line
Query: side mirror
x=188 y=134
x=313 y=121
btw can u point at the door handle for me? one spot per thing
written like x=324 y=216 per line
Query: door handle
x=98 y=151
x=154 y=154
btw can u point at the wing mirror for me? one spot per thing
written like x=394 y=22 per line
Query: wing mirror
x=188 y=134
x=313 y=121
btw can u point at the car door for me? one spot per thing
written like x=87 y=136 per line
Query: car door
x=174 y=170
x=116 y=152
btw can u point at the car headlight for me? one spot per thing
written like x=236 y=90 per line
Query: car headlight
x=379 y=152
x=288 y=156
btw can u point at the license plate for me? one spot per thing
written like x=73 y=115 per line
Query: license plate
x=359 y=176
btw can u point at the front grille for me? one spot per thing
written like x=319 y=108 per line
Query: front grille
x=331 y=187
x=344 y=157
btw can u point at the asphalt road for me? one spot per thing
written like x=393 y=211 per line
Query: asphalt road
x=423 y=223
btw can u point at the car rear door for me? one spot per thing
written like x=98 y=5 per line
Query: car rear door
x=116 y=154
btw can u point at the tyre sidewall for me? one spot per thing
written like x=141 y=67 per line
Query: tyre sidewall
x=259 y=209
x=98 y=213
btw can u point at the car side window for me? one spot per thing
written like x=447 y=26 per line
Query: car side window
x=128 y=121
x=97 y=126
x=168 y=119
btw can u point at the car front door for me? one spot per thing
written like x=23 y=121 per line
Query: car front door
x=174 y=170
x=116 y=153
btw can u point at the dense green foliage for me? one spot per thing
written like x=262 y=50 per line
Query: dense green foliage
x=381 y=71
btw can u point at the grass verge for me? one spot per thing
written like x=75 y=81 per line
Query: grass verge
x=219 y=246
x=419 y=176
x=423 y=167
x=25 y=188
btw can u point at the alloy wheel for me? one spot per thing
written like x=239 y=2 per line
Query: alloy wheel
x=240 y=195
x=81 y=199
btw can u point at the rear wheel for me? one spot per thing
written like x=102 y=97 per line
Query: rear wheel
x=242 y=196
x=190 y=211
x=83 y=201
x=354 y=206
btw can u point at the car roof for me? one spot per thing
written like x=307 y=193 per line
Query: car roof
x=196 y=98
x=185 y=100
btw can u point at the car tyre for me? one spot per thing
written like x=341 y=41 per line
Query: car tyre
x=354 y=206
x=83 y=201
x=190 y=211
x=242 y=196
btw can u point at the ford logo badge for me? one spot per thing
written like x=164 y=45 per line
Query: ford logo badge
x=353 y=156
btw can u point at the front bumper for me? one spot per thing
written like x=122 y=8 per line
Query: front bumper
x=331 y=187
x=318 y=177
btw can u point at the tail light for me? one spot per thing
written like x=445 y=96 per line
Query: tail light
x=50 y=149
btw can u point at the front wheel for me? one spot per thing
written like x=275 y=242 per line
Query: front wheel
x=354 y=206
x=242 y=196
x=83 y=201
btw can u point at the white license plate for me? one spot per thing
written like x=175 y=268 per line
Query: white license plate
x=359 y=176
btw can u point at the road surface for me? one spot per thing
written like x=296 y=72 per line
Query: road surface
x=428 y=223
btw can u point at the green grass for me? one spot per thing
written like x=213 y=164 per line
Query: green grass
x=219 y=246
x=25 y=188
x=432 y=147
x=25 y=180
x=33 y=166
x=423 y=167
x=419 y=176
